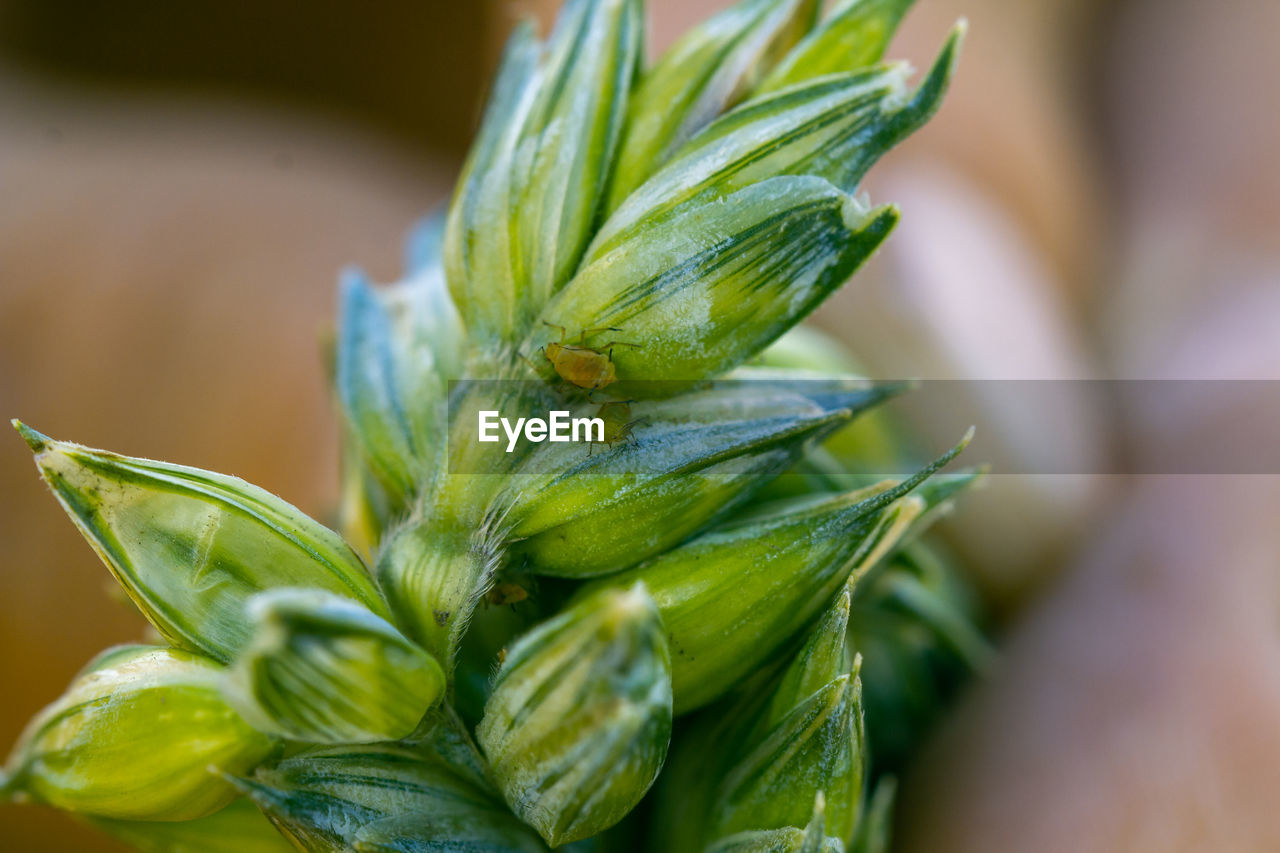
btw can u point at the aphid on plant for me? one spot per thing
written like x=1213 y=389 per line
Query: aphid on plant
x=618 y=423
x=506 y=593
x=586 y=367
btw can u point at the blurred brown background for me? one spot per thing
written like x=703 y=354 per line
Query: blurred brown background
x=180 y=182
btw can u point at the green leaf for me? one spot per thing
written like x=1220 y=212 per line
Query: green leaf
x=823 y=658
x=833 y=127
x=826 y=129
x=697 y=800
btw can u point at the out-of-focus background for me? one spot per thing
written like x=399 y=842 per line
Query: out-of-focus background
x=1098 y=198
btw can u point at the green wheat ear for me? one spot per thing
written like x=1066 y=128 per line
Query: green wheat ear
x=497 y=649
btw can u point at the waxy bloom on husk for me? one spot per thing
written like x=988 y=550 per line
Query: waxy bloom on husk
x=580 y=717
x=739 y=237
x=383 y=798
x=719 y=278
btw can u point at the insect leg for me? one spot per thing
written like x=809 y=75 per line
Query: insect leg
x=563 y=331
x=609 y=346
x=582 y=339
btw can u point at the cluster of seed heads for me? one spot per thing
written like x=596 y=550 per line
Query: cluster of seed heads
x=722 y=633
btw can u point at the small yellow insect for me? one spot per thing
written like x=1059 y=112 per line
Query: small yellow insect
x=506 y=593
x=618 y=423
x=587 y=367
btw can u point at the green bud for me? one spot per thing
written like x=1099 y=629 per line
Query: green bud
x=190 y=546
x=790 y=839
x=715 y=741
x=435 y=575
x=854 y=35
x=732 y=596
x=528 y=198
x=834 y=127
x=397 y=348
x=707 y=70
x=695 y=456
x=238 y=828
x=383 y=798
x=817 y=747
x=323 y=669
x=135 y=737
x=703 y=289
x=479 y=244
x=570 y=138
x=579 y=720
x=824 y=657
